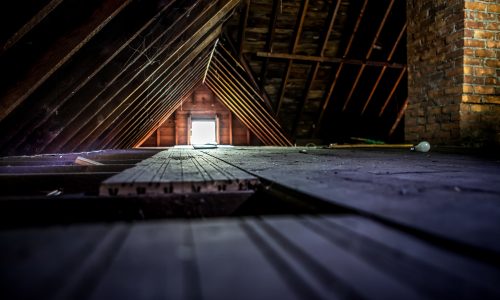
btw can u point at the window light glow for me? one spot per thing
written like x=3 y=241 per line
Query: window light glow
x=203 y=132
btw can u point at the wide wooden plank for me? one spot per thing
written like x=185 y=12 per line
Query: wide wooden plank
x=149 y=265
x=231 y=265
x=307 y=257
x=178 y=171
x=35 y=263
x=452 y=197
x=399 y=253
x=339 y=264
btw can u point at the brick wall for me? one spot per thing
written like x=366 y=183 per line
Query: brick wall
x=435 y=70
x=453 y=70
x=480 y=108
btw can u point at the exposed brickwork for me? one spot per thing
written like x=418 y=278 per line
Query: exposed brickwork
x=453 y=60
x=435 y=70
x=480 y=108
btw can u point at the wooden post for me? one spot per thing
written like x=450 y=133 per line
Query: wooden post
x=188 y=126
x=217 y=129
x=248 y=137
x=158 y=137
x=230 y=128
x=176 y=136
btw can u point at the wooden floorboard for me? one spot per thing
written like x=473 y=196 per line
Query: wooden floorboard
x=306 y=257
x=454 y=197
x=180 y=171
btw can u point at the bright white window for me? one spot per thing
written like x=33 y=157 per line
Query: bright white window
x=203 y=131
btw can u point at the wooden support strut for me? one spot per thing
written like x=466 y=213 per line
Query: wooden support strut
x=188 y=81
x=269 y=42
x=243 y=26
x=399 y=117
x=382 y=72
x=32 y=23
x=389 y=97
x=328 y=95
x=163 y=68
x=331 y=60
x=248 y=111
x=234 y=86
x=63 y=49
x=55 y=100
x=368 y=54
x=87 y=113
x=179 y=85
x=162 y=89
x=248 y=116
x=332 y=15
x=296 y=38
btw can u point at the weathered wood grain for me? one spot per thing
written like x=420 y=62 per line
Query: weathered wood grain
x=178 y=171
x=305 y=257
x=455 y=197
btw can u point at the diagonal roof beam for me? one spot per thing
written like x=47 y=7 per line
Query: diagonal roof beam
x=399 y=117
x=185 y=47
x=243 y=26
x=389 y=58
x=32 y=23
x=159 y=91
x=58 y=54
x=295 y=39
x=332 y=15
x=328 y=95
x=87 y=69
x=368 y=54
x=124 y=82
x=271 y=30
x=188 y=79
x=393 y=90
x=331 y=60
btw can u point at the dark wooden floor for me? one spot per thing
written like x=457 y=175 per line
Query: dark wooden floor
x=349 y=224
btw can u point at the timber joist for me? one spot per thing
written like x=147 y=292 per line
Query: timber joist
x=178 y=171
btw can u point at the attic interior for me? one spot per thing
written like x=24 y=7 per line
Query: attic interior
x=252 y=149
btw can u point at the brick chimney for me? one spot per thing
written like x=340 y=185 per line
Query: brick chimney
x=453 y=72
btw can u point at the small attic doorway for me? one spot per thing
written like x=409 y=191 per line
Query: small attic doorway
x=204 y=130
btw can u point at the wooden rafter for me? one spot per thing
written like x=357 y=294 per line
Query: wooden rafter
x=295 y=39
x=158 y=92
x=393 y=90
x=328 y=95
x=325 y=36
x=90 y=68
x=153 y=81
x=243 y=65
x=399 y=117
x=239 y=96
x=243 y=25
x=186 y=83
x=368 y=54
x=162 y=120
x=271 y=29
x=32 y=23
x=59 y=53
x=84 y=122
x=331 y=60
x=230 y=62
x=389 y=58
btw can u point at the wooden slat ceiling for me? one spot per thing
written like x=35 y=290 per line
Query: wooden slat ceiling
x=85 y=75
x=331 y=69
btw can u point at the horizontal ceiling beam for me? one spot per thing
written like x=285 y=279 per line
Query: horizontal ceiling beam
x=330 y=60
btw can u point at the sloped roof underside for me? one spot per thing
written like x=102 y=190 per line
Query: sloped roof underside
x=86 y=75
x=99 y=74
